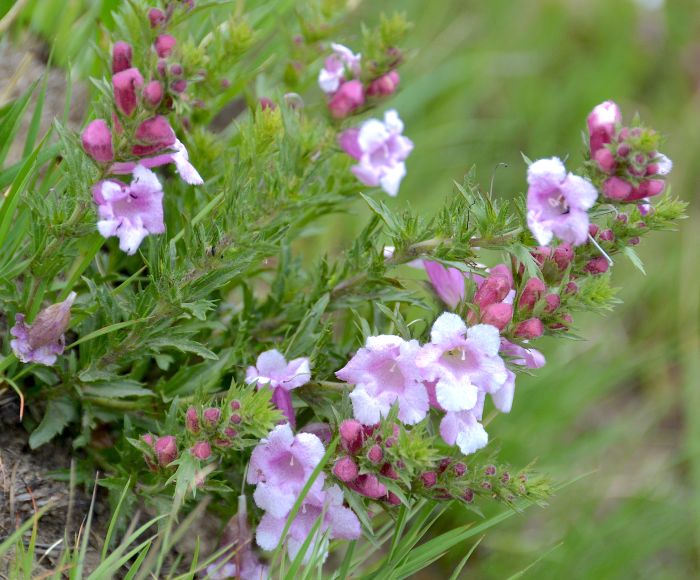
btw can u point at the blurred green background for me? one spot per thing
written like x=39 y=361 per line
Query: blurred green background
x=618 y=413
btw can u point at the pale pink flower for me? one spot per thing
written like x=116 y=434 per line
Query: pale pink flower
x=178 y=156
x=336 y=65
x=447 y=282
x=602 y=123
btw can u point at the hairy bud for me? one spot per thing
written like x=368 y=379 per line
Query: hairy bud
x=351 y=436
x=164 y=45
x=97 y=141
x=531 y=293
x=166 y=450
x=346 y=99
x=345 y=469
x=192 y=420
x=121 y=57
x=498 y=315
x=201 y=450
x=126 y=84
x=530 y=329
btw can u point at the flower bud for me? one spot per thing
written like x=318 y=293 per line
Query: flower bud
x=597 y=265
x=563 y=255
x=201 y=450
x=125 y=84
x=540 y=254
x=648 y=188
x=346 y=99
x=486 y=485
x=564 y=325
x=505 y=478
x=571 y=288
x=388 y=471
x=156 y=17
x=616 y=188
x=166 y=450
x=153 y=93
x=429 y=478
x=605 y=159
x=375 y=454
x=164 y=45
x=607 y=235
x=121 y=57
x=504 y=271
x=530 y=329
x=222 y=443
x=633 y=241
x=266 y=104
x=444 y=464
x=176 y=69
x=494 y=289
x=623 y=150
x=97 y=141
x=459 y=469
x=384 y=86
x=153 y=135
x=369 y=486
x=531 y=293
x=593 y=230
x=393 y=499
x=235 y=405
x=468 y=495
x=498 y=315
x=553 y=302
x=490 y=470
x=351 y=436
x=179 y=86
x=622 y=218
x=601 y=124
x=345 y=469
x=148 y=439
x=321 y=430
x=192 y=420
x=211 y=416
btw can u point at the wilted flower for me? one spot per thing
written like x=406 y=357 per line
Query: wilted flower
x=557 y=203
x=273 y=371
x=381 y=150
x=130 y=212
x=333 y=73
x=42 y=341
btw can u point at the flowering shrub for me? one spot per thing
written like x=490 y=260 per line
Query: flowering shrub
x=216 y=359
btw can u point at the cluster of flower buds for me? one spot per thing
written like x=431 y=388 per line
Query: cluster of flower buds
x=364 y=465
x=213 y=428
x=146 y=140
x=340 y=80
x=44 y=340
x=631 y=166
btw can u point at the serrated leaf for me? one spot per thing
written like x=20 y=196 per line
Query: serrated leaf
x=379 y=208
x=634 y=258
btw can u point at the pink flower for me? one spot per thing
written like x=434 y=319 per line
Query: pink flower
x=521 y=356
x=349 y=97
x=463 y=361
x=42 y=341
x=178 y=156
x=272 y=370
x=97 y=141
x=557 y=203
x=384 y=373
x=126 y=83
x=447 y=282
x=380 y=149
x=336 y=65
x=130 y=212
x=602 y=122
x=121 y=56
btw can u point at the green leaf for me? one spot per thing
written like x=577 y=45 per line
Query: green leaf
x=117 y=389
x=634 y=258
x=379 y=208
x=59 y=413
x=183 y=345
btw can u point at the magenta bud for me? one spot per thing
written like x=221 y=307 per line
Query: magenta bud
x=393 y=499
x=176 y=69
x=602 y=123
x=490 y=470
x=530 y=329
x=156 y=17
x=235 y=405
x=531 y=293
x=650 y=188
x=162 y=67
x=593 y=230
x=164 y=45
x=201 y=450
x=192 y=420
x=351 y=436
x=505 y=478
x=235 y=419
x=605 y=159
x=179 y=86
x=153 y=135
x=390 y=442
x=633 y=241
x=225 y=83
x=564 y=325
x=486 y=485
x=429 y=479
x=375 y=454
x=153 y=93
x=211 y=416
x=97 y=141
x=148 y=439
x=346 y=99
x=607 y=235
x=468 y=495
x=571 y=288
x=459 y=469
x=444 y=464
x=494 y=289
x=222 y=442
x=563 y=255
x=503 y=271
x=617 y=188
x=166 y=450
x=385 y=85
x=345 y=469
x=623 y=150
x=369 y=486
x=498 y=315
x=230 y=432
x=622 y=218
x=553 y=302
x=125 y=85
x=388 y=471
x=597 y=265
x=121 y=57
x=266 y=104
x=540 y=254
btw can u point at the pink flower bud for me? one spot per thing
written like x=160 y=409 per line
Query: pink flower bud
x=148 y=439
x=211 y=416
x=201 y=450
x=153 y=93
x=230 y=432
x=459 y=469
x=266 y=104
x=393 y=499
x=648 y=188
x=617 y=188
x=125 y=84
x=351 y=435
x=166 y=450
x=388 y=471
x=121 y=57
x=369 y=486
x=236 y=419
x=346 y=99
x=530 y=329
x=633 y=241
x=156 y=17
x=429 y=478
x=235 y=405
x=97 y=141
x=563 y=255
x=444 y=464
x=597 y=265
x=504 y=271
x=384 y=86
x=623 y=150
x=571 y=288
x=531 y=293
x=222 y=442
x=164 y=45
x=602 y=122
x=153 y=135
x=345 y=469
x=179 y=86
x=553 y=302
x=162 y=67
x=468 y=495
x=605 y=159
x=566 y=320
x=490 y=470
x=192 y=420
x=498 y=315
x=607 y=235
x=176 y=69
x=622 y=218
x=494 y=289
x=593 y=230
x=375 y=454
